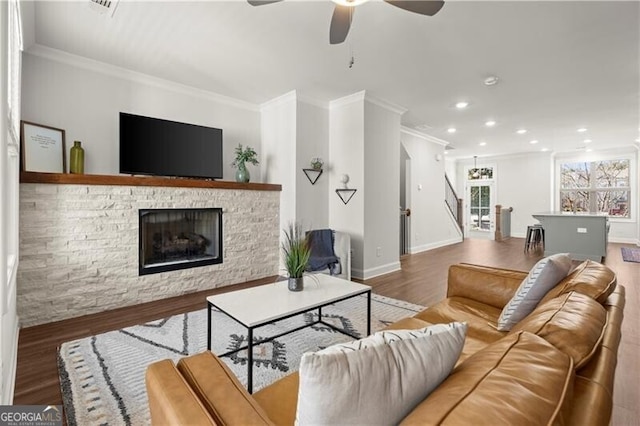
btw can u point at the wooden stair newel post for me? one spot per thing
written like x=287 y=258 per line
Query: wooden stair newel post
x=498 y=235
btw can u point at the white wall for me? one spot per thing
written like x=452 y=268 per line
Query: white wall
x=278 y=118
x=450 y=168
x=521 y=182
x=84 y=98
x=382 y=189
x=346 y=147
x=431 y=224
x=312 y=140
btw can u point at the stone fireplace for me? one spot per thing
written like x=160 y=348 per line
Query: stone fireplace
x=80 y=240
x=172 y=239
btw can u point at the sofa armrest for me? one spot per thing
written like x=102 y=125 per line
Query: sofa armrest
x=171 y=400
x=220 y=391
x=491 y=286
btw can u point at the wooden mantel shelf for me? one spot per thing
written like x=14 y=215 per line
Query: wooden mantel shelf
x=73 y=179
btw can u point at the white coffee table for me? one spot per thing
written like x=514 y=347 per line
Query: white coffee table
x=262 y=305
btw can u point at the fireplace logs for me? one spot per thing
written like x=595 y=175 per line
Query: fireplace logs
x=168 y=245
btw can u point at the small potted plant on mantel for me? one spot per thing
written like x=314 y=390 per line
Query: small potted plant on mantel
x=295 y=248
x=243 y=156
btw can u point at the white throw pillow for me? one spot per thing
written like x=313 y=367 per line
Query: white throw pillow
x=378 y=380
x=545 y=275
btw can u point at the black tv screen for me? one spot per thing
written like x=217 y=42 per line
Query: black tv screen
x=151 y=146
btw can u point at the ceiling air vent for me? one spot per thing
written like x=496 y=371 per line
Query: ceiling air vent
x=104 y=7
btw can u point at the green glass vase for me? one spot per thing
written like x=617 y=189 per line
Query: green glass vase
x=242 y=174
x=76 y=158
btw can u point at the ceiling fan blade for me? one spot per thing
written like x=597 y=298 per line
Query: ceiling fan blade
x=340 y=24
x=262 y=2
x=423 y=7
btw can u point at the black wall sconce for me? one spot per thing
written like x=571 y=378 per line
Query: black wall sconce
x=345 y=193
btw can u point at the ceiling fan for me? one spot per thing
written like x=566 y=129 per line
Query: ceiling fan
x=343 y=13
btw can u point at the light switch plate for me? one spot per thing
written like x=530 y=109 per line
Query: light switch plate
x=582 y=230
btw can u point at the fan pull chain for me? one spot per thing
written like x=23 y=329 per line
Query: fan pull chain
x=352 y=58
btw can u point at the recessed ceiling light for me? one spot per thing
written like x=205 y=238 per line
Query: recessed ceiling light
x=545 y=149
x=587 y=141
x=582 y=129
x=451 y=130
x=533 y=142
x=462 y=105
x=490 y=123
x=638 y=140
x=446 y=152
x=482 y=143
x=521 y=131
x=588 y=150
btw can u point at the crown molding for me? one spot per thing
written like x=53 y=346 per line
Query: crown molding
x=362 y=96
x=346 y=100
x=313 y=101
x=135 y=76
x=291 y=96
x=385 y=104
x=426 y=137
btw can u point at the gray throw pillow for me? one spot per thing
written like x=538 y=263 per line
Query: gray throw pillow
x=545 y=275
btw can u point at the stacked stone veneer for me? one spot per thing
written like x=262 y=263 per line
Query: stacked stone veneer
x=79 y=246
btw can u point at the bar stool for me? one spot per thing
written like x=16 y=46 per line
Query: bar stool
x=535 y=237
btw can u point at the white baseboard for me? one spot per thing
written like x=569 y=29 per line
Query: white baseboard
x=437 y=244
x=12 y=368
x=375 y=272
x=621 y=240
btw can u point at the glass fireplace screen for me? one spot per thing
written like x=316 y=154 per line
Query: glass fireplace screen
x=173 y=239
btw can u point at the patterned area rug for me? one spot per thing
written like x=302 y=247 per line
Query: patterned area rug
x=102 y=377
x=630 y=254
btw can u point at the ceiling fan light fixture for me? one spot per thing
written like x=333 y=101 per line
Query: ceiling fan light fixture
x=349 y=3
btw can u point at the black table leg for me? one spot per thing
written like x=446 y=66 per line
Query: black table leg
x=250 y=360
x=369 y=313
x=208 y=326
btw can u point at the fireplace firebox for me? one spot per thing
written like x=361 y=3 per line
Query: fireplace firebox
x=172 y=239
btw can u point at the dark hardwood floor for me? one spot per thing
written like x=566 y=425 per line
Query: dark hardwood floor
x=422 y=280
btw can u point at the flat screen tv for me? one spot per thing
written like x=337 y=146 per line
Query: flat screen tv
x=151 y=146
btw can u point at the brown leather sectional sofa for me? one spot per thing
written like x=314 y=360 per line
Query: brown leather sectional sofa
x=556 y=366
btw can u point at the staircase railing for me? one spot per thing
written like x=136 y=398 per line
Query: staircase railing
x=453 y=202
